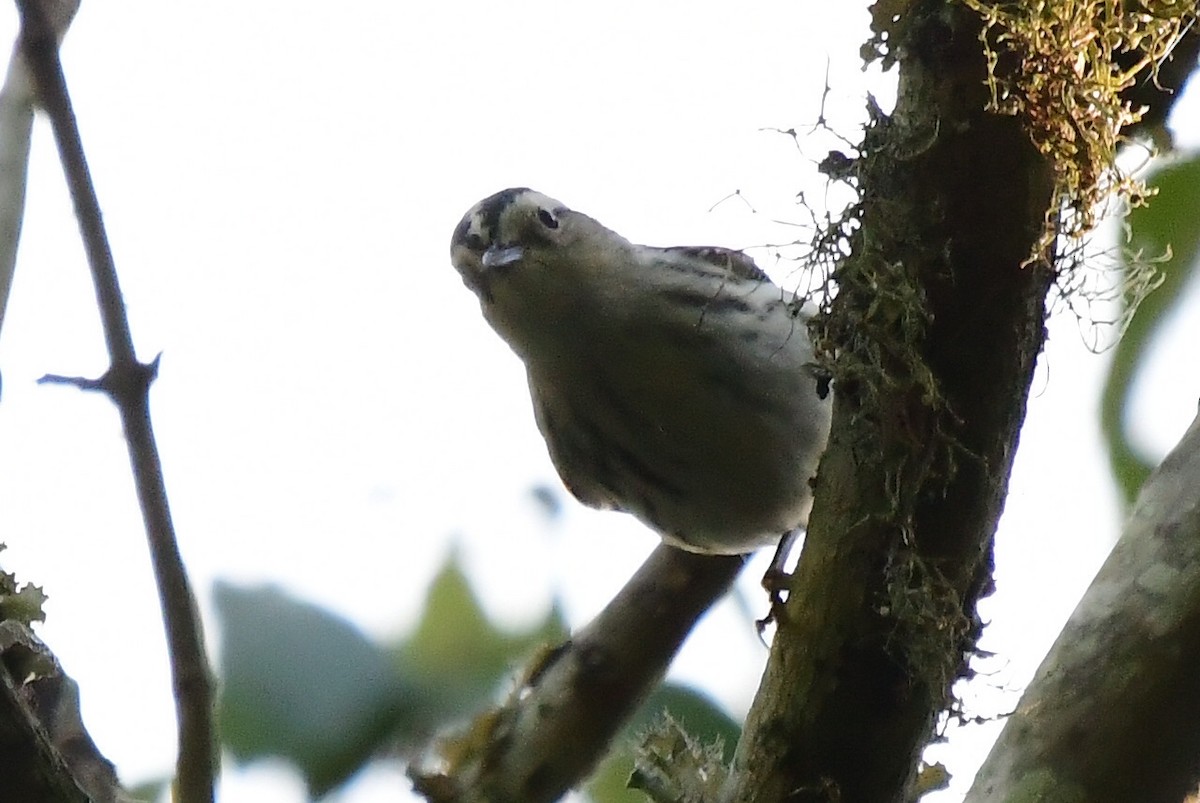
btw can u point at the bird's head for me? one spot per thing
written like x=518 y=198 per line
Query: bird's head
x=514 y=229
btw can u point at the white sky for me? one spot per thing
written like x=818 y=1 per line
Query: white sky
x=280 y=181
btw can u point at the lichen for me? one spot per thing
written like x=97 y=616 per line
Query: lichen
x=1054 y=65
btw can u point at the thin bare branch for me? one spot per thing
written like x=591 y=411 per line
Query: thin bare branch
x=127 y=383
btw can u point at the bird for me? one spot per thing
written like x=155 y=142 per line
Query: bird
x=676 y=384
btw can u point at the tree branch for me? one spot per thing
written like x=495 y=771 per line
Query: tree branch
x=936 y=328
x=127 y=383
x=1113 y=712
x=31 y=768
x=46 y=753
x=575 y=699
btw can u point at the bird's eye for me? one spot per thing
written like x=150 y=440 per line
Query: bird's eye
x=547 y=218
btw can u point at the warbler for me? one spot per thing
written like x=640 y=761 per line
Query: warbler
x=677 y=384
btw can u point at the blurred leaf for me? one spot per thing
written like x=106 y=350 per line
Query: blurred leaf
x=301 y=683
x=1168 y=223
x=149 y=791
x=703 y=719
x=304 y=684
x=457 y=654
x=697 y=712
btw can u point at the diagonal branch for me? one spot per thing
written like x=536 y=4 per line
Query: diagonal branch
x=127 y=383
x=575 y=699
x=1113 y=712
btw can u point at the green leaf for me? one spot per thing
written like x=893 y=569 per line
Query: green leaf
x=457 y=654
x=149 y=791
x=1168 y=224
x=301 y=683
x=304 y=684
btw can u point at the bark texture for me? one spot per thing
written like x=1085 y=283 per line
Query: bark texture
x=1113 y=713
x=936 y=330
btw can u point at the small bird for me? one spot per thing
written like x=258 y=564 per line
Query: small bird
x=677 y=384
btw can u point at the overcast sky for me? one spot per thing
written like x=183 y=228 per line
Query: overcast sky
x=280 y=182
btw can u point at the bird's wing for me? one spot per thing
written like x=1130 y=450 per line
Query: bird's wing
x=735 y=263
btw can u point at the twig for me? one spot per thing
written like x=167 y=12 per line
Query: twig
x=127 y=383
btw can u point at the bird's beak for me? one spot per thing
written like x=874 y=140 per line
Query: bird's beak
x=499 y=256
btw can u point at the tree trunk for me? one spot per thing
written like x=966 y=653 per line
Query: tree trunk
x=935 y=331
